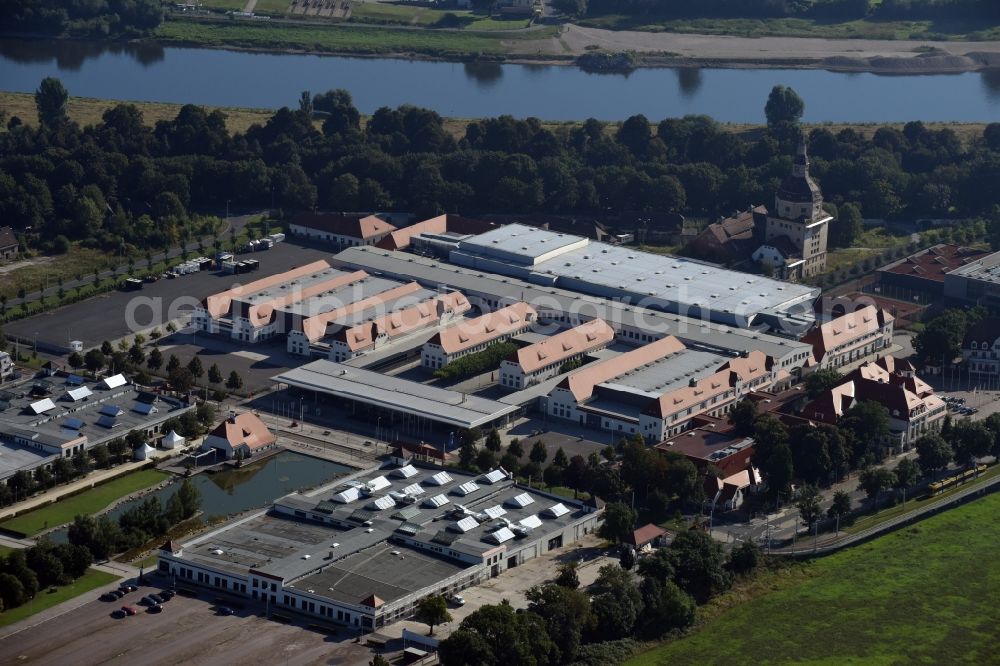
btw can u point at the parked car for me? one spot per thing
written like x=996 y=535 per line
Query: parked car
x=225 y=610
x=109 y=596
x=129 y=610
x=156 y=598
x=118 y=614
x=167 y=594
x=155 y=609
x=456 y=599
x=118 y=594
x=127 y=587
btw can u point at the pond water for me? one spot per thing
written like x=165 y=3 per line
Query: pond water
x=255 y=485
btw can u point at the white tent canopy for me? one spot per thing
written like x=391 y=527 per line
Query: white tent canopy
x=143 y=452
x=172 y=440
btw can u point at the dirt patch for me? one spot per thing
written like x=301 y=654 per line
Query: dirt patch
x=25 y=263
x=870 y=55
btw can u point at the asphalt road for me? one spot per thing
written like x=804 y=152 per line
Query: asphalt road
x=188 y=631
x=118 y=314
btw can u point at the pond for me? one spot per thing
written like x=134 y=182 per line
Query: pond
x=255 y=485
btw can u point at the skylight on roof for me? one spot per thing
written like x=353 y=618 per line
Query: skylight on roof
x=494 y=476
x=502 y=535
x=521 y=501
x=414 y=489
x=495 y=512
x=439 y=479
x=466 y=488
x=556 y=510
x=42 y=406
x=405 y=472
x=436 y=501
x=465 y=525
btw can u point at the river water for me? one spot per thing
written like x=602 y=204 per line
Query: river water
x=470 y=90
x=255 y=485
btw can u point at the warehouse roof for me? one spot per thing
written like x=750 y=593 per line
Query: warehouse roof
x=395 y=394
x=590 y=267
x=472 y=282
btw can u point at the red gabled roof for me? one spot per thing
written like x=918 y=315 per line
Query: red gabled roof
x=645 y=534
x=342 y=224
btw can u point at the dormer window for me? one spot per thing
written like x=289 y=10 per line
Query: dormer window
x=975 y=345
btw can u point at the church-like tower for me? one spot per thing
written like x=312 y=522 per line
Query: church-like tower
x=796 y=229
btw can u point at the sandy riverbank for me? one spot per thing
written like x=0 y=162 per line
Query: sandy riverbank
x=859 y=55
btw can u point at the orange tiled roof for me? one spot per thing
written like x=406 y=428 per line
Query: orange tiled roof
x=582 y=382
x=490 y=326
x=595 y=333
x=218 y=304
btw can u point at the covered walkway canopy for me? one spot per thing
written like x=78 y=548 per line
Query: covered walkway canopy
x=392 y=394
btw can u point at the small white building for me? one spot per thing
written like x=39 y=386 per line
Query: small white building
x=244 y=433
x=341 y=229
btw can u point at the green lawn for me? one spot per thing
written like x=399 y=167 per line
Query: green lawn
x=225 y=5
x=342 y=38
x=89 y=501
x=912 y=504
x=377 y=12
x=925 y=594
x=91 y=580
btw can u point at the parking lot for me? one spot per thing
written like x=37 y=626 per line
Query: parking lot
x=119 y=313
x=188 y=631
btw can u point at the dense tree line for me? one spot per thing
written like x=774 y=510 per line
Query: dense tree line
x=939 y=341
x=94 y=18
x=104 y=536
x=816 y=455
x=24 y=572
x=565 y=625
x=122 y=182
x=24 y=483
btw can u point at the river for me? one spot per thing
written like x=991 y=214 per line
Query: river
x=471 y=90
x=255 y=485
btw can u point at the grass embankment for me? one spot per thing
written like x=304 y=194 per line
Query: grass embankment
x=925 y=594
x=90 y=501
x=870 y=520
x=347 y=39
x=427 y=17
x=91 y=580
x=793 y=27
x=88 y=111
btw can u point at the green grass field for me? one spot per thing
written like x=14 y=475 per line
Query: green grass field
x=922 y=595
x=89 y=501
x=342 y=38
x=91 y=580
